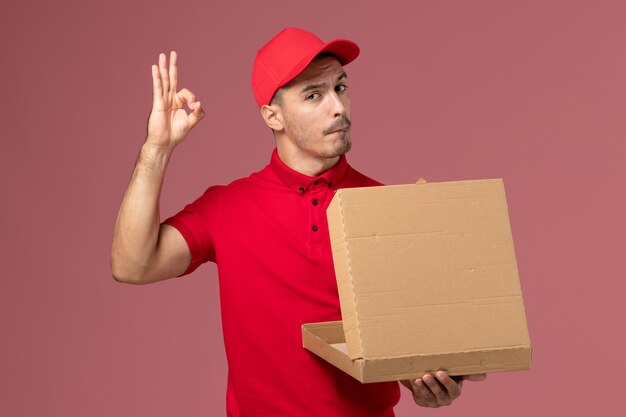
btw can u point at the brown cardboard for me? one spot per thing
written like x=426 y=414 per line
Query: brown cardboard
x=427 y=280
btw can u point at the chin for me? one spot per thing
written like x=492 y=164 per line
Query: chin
x=344 y=146
x=337 y=151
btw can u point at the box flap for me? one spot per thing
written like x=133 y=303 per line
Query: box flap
x=412 y=260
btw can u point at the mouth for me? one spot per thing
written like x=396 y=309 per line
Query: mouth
x=340 y=126
x=339 y=130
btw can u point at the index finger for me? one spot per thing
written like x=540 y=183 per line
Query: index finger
x=173 y=71
x=157 y=88
x=453 y=388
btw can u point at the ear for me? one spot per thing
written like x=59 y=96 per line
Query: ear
x=272 y=114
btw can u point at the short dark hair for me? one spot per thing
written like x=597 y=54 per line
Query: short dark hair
x=277 y=98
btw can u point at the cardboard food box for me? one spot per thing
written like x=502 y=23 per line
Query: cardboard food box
x=427 y=280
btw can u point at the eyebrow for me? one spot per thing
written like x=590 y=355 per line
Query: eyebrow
x=310 y=87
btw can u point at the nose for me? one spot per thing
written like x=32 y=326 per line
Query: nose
x=338 y=104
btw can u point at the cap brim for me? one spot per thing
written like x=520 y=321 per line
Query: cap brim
x=346 y=51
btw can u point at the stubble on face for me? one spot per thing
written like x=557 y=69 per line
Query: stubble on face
x=304 y=141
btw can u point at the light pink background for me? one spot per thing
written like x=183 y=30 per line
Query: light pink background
x=530 y=91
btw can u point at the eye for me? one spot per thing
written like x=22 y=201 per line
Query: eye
x=312 y=96
x=341 y=88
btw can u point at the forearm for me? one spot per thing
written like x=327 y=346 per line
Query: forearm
x=136 y=234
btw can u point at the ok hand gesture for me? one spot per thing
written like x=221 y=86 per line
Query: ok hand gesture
x=169 y=122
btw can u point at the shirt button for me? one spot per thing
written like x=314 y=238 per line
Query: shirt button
x=301 y=189
x=314 y=228
x=315 y=202
x=316 y=182
x=330 y=184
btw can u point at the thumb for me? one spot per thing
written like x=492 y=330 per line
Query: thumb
x=197 y=114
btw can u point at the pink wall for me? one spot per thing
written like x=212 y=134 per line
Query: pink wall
x=531 y=91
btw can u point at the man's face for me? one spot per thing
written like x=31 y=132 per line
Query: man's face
x=316 y=109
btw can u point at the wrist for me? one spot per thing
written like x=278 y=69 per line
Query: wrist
x=154 y=156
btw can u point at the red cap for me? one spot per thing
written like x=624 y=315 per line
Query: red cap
x=287 y=54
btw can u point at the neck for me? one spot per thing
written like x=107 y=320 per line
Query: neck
x=307 y=165
x=304 y=163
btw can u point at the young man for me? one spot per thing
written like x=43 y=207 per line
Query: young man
x=267 y=233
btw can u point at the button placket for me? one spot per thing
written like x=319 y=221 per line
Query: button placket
x=316 y=211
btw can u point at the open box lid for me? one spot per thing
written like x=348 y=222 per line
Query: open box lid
x=426 y=269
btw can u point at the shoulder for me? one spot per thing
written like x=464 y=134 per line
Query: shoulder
x=355 y=178
x=240 y=187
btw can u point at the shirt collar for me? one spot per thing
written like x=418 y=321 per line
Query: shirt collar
x=300 y=182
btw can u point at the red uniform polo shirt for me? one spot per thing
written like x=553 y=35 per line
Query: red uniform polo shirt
x=269 y=237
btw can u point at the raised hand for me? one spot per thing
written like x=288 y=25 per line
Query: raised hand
x=169 y=122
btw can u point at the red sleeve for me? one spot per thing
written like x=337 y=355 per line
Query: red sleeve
x=197 y=222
